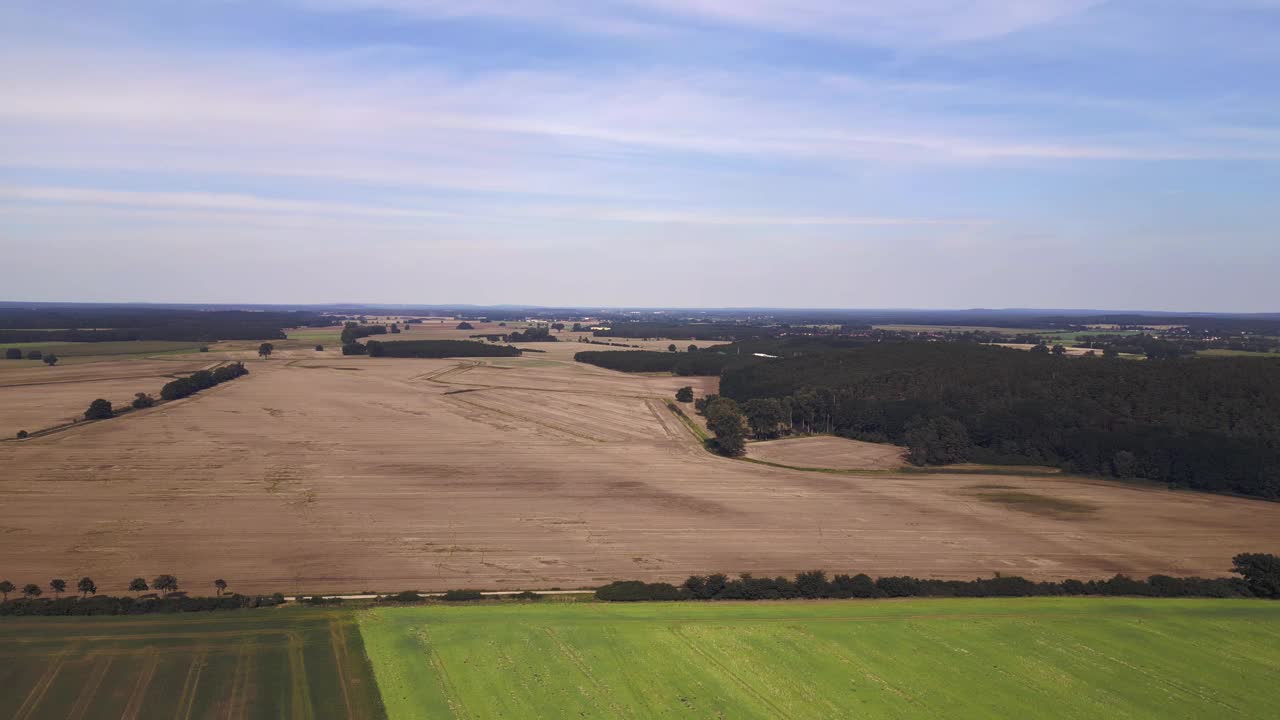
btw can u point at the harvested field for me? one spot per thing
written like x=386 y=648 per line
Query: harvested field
x=39 y=397
x=1026 y=658
x=828 y=452
x=321 y=473
x=248 y=664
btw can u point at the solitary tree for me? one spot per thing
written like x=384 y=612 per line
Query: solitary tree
x=6 y=587
x=165 y=583
x=671 y=347
x=265 y=350
x=50 y=359
x=221 y=585
x=1040 y=349
x=1261 y=571
x=87 y=586
x=1059 y=350
x=23 y=434
x=99 y=410
x=693 y=348
x=684 y=394
x=31 y=590
x=138 y=585
x=319 y=348
x=58 y=586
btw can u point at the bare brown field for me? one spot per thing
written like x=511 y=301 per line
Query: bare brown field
x=326 y=473
x=834 y=453
x=33 y=398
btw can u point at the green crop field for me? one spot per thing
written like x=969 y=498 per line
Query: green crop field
x=275 y=663
x=1007 y=658
x=1026 y=658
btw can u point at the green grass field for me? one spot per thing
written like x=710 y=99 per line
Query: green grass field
x=277 y=663
x=1050 y=658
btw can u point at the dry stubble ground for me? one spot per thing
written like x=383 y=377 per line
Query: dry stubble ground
x=324 y=473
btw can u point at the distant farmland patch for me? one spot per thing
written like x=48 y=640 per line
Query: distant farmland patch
x=251 y=664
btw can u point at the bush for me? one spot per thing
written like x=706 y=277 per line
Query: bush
x=462 y=595
x=527 y=595
x=1261 y=578
x=204 y=348
x=635 y=591
x=684 y=394
x=201 y=380
x=23 y=434
x=99 y=410
x=35 y=355
x=405 y=596
x=319 y=348
x=464 y=325
x=50 y=359
x=143 y=400
x=13 y=354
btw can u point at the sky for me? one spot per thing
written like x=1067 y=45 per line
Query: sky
x=674 y=153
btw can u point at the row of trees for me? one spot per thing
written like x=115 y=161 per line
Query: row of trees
x=49 y=359
x=1208 y=425
x=202 y=380
x=1259 y=577
x=86 y=586
x=433 y=349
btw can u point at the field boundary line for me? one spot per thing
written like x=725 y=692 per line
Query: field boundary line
x=746 y=686
x=582 y=666
x=90 y=689
x=299 y=689
x=38 y=691
x=525 y=418
x=338 y=639
x=451 y=694
x=239 y=678
x=187 y=699
x=134 y=706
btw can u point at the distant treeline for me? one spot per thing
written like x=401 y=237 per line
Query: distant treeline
x=108 y=605
x=698 y=331
x=352 y=331
x=202 y=380
x=1259 y=578
x=27 y=326
x=686 y=363
x=535 y=333
x=435 y=349
x=1205 y=425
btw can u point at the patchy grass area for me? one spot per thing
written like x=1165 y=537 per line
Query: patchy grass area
x=1038 y=504
x=247 y=664
x=1024 y=658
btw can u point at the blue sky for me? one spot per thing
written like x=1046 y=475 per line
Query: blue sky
x=923 y=153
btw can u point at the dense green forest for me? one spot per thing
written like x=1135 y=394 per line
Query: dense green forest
x=437 y=349
x=681 y=363
x=127 y=324
x=1209 y=425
